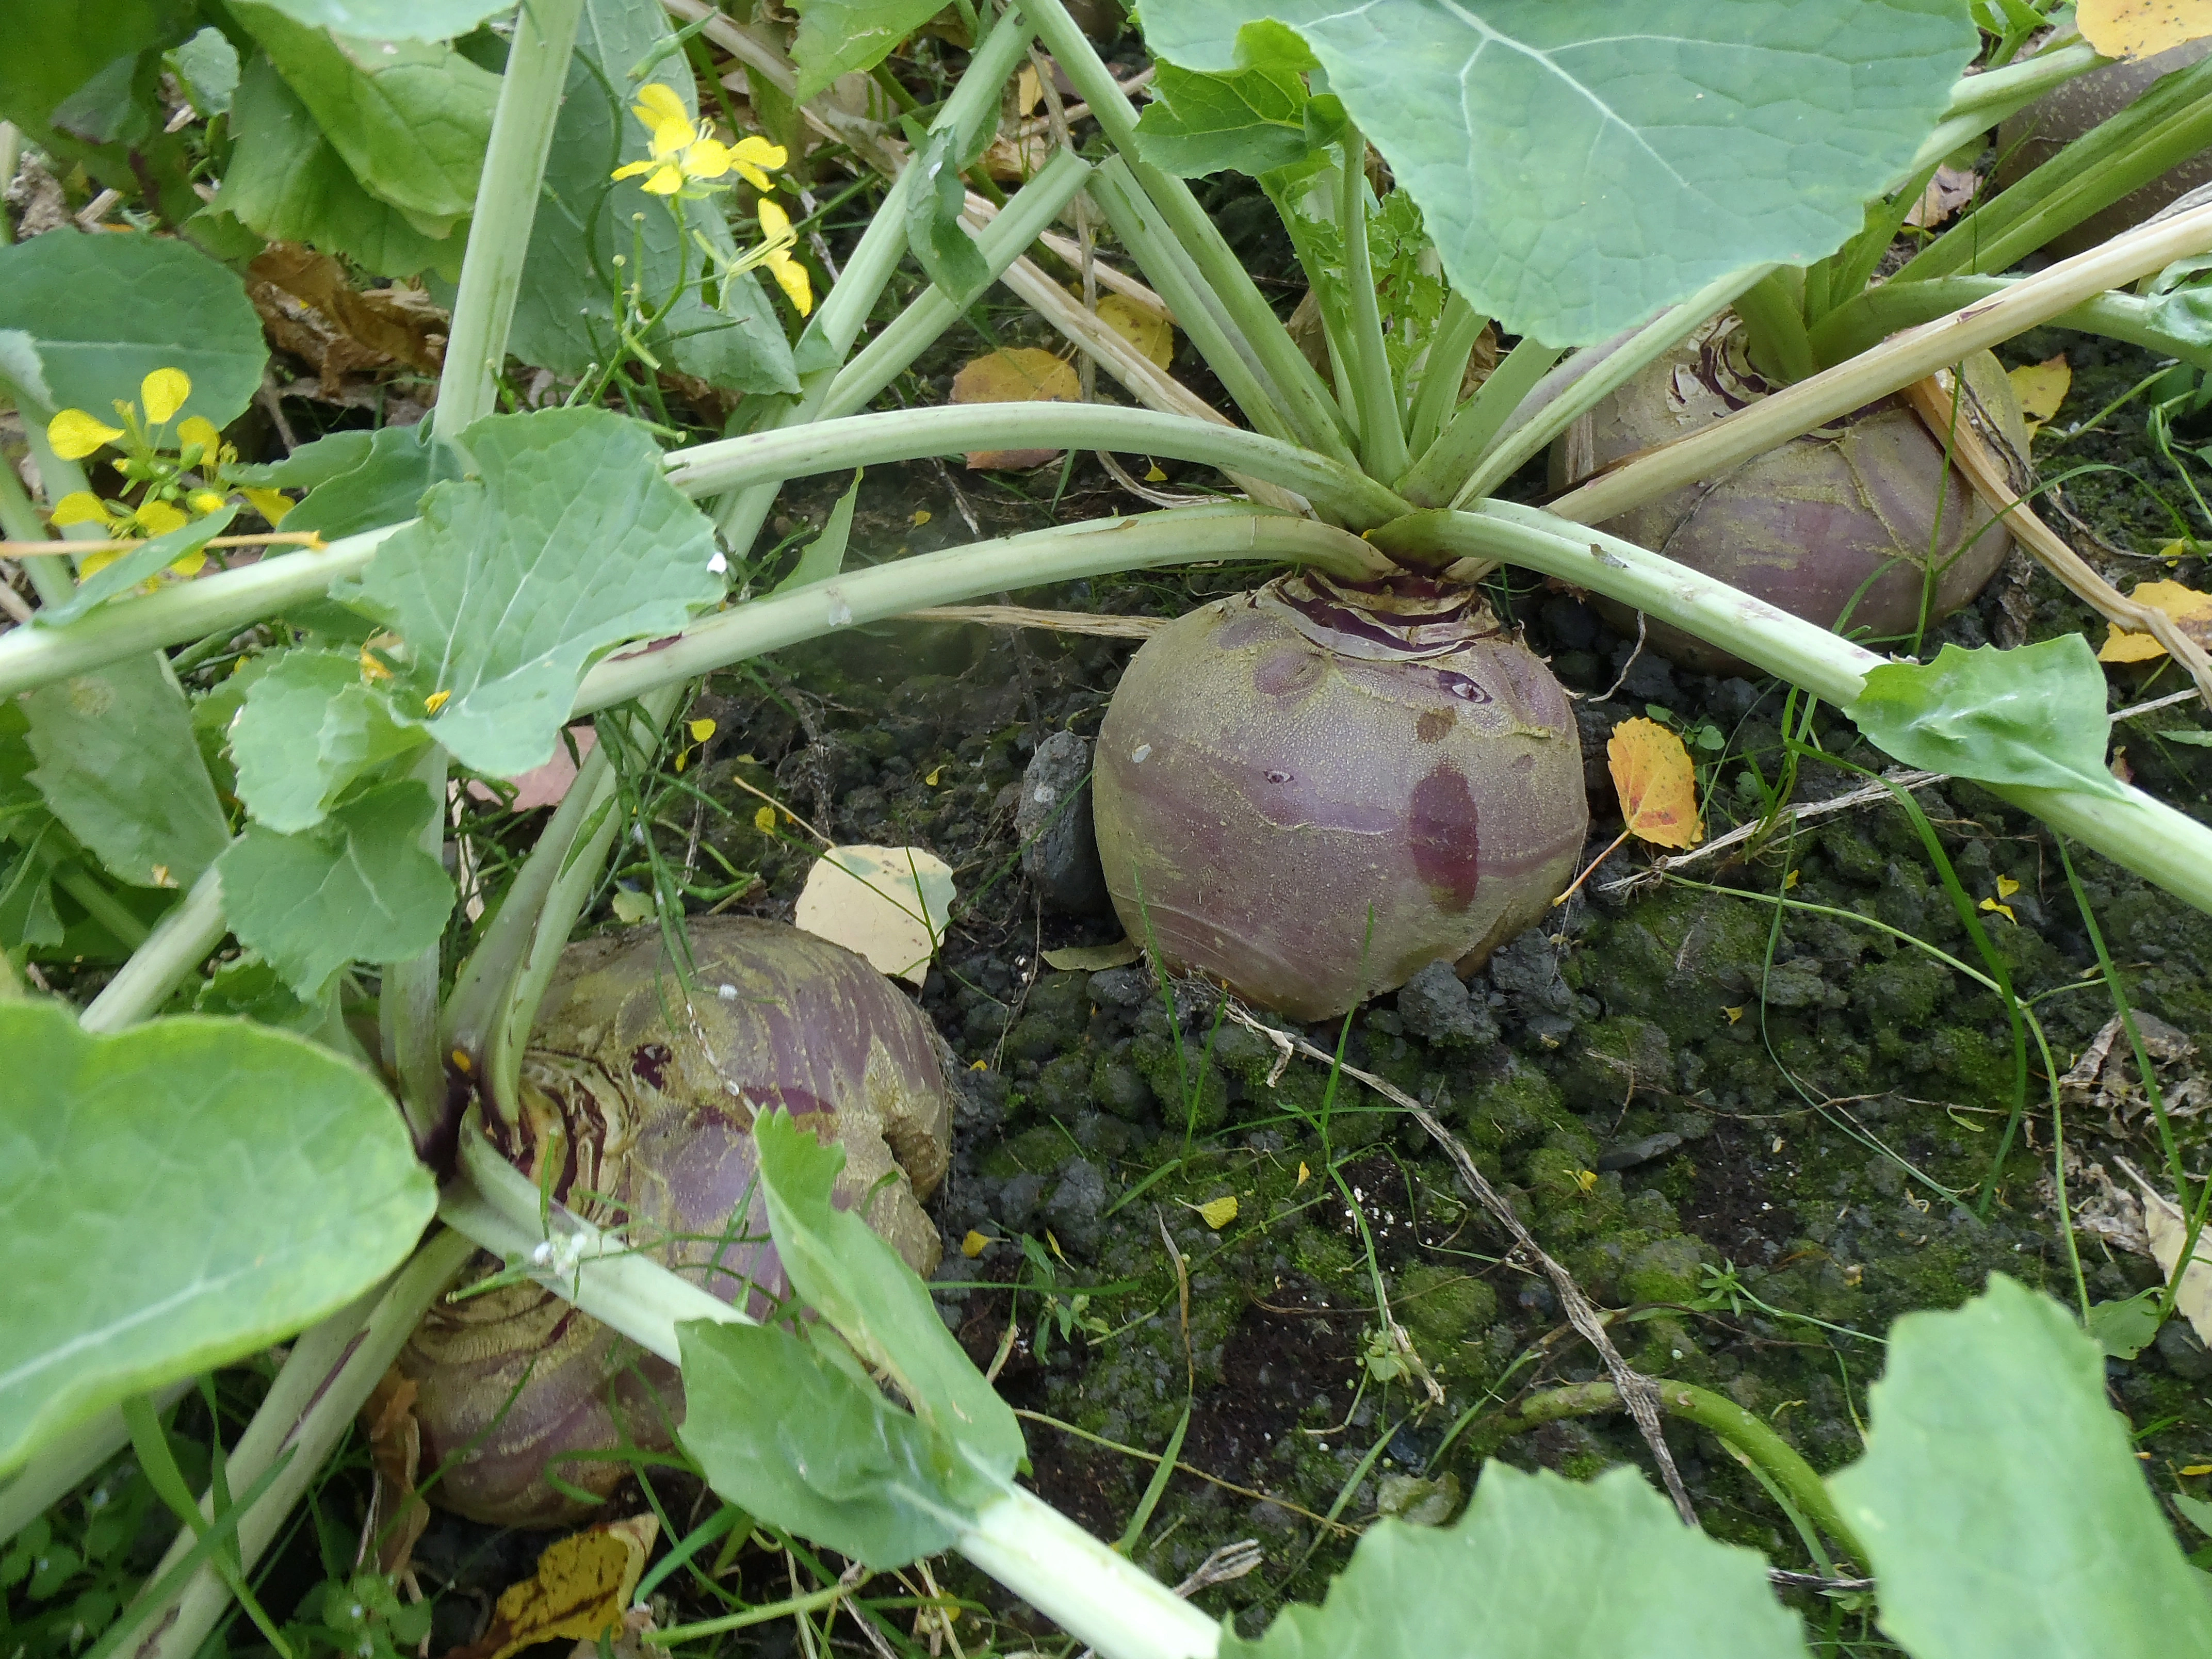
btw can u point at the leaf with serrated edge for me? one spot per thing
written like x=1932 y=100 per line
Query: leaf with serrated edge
x=1541 y=1568
x=2001 y=1500
x=357 y=888
x=104 y=312
x=568 y=540
x=872 y=1298
x=308 y=728
x=119 y=765
x=176 y=1198
x=838 y=36
x=2034 y=715
x=1577 y=175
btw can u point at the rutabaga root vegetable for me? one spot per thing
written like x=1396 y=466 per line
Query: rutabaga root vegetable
x=640 y=1100
x=1836 y=526
x=1311 y=792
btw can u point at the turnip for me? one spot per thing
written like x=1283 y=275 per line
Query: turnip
x=644 y=1099
x=1835 y=527
x=1313 y=791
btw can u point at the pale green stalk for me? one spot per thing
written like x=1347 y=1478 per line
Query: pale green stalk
x=310 y=1433
x=21 y=522
x=1979 y=102
x=1443 y=371
x=1523 y=443
x=507 y=203
x=64 y=1463
x=1381 y=431
x=11 y=156
x=764 y=458
x=1080 y=1583
x=56 y=477
x=1065 y=553
x=179 y=943
x=1027 y=216
x=2135 y=830
x=1448 y=459
x=407 y=1004
x=1897 y=362
x=1860 y=324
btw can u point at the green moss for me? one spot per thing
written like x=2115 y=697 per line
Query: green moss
x=1614 y=1059
x=1441 y=1306
x=1665 y=1270
x=1515 y=1111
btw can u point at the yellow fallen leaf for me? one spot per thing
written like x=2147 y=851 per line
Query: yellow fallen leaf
x=1027 y=91
x=764 y=819
x=2191 y=610
x=921 y=516
x=1018 y=374
x=1218 y=1213
x=701 y=730
x=2167 y=1229
x=973 y=1245
x=1145 y=329
x=631 y=907
x=2007 y=887
x=888 y=905
x=2041 y=388
x=582 y=1585
x=1155 y=473
x=2128 y=29
x=1734 y=1014
x=1304 y=1174
x=2196 y=1469
x=1657 y=783
x=1997 y=909
x=935 y=774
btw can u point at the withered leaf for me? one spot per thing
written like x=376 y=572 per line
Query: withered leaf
x=1017 y=375
x=582 y=1586
x=2141 y=29
x=1657 y=783
x=2192 y=611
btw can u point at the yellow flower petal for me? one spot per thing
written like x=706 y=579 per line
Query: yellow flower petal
x=701 y=730
x=658 y=103
x=437 y=700
x=775 y=222
x=372 y=670
x=75 y=435
x=756 y=151
x=973 y=1245
x=96 y=562
x=165 y=391
x=270 y=504
x=673 y=137
x=764 y=820
x=631 y=169
x=198 y=429
x=80 y=507
x=791 y=276
x=1218 y=1213
x=667 y=179
x=203 y=502
x=708 y=159
x=158 y=518
x=191 y=565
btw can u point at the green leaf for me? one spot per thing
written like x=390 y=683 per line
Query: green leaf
x=82 y=78
x=565 y=318
x=139 y=564
x=941 y=243
x=357 y=888
x=2124 y=1328
x=570 y=539
x=2034 y=715
x=2201 y=739
x=2195 y=1511
x=1541 y=1568
x=1577 y=174
x=309 y=728
x=355 y=481
x=856 y=1281
x=118 y=766
x=410 y=121
x=836 y=36
x=2001 y=1500
x=176 y=1198
x=392 y=19
x=1253 y=121
x=824 y=556
x=251 y=988
x=793 y=1432
x=289 y=183
x=206 y=66
x=104 y=312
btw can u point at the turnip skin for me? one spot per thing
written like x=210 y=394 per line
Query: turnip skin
x=647 y=1102
x=1805 y=526
x=1260 y=787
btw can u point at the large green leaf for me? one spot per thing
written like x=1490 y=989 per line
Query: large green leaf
x=392 y=19
x=845 y=1272
x=118 y=764
x=309 y=728
x=357 y=888
x=565 y=318
x=568 y=540
x=1255 y=120
x=410 y=120
x=1541 y=1568
x=176 y=1198
x=83 y=79
x=2034 y=715
x=355 y=481
x=836 y=36
x=289 y=183
x=104 y=312
x=1581 y=164
x=793 y=1432
x=2001 y=1499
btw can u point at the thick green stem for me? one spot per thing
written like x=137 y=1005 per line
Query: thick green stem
x=1897 y=362
x=506 y=204
x=1028 y=214
x=1736 y=1427
x=905 y=433
x=1521 y=443
x=1382 y=432
x=2027 y=80
x=1863 y=323
x=324 y=1384
x=1448 y=460
x=1442 y=370
x=2133 y=830
x=2168 y=124
x=1065 y=553
x=407 y=1008
x=179 y=943
x=21 y=522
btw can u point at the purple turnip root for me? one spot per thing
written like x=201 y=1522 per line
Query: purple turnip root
x=643 y=1101
x=1835 y=527
x=1311 y=792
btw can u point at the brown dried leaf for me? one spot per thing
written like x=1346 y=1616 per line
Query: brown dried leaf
x=2191 y=610
x=313 y=311
x=2128 y=29
x=1657 y=784
x=1950 y=189
x=580 y=1590
x=1018 y=374
x=396 y=1516
x=2167 y=1229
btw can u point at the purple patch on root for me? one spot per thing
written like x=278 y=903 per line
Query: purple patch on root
x=1444 y=837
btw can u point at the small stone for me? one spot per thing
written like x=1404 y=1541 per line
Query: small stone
x=1120 y=987
x=1627 y=1154
x=1052 y=816
x=1436 y=1006
x=1018 y=1198
x=1417 y=1502
x=1076 y=1211
x=2184 y=1351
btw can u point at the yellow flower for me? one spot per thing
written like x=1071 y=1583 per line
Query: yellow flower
x=790 y=275
x=435 y=700
x=80 y=507
x=165 y=391
x=682 y=151
x=203 y=502
x=75 y=435
x=197 y=429
x=755 y=158
x=270 y=504
x=158 y=518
